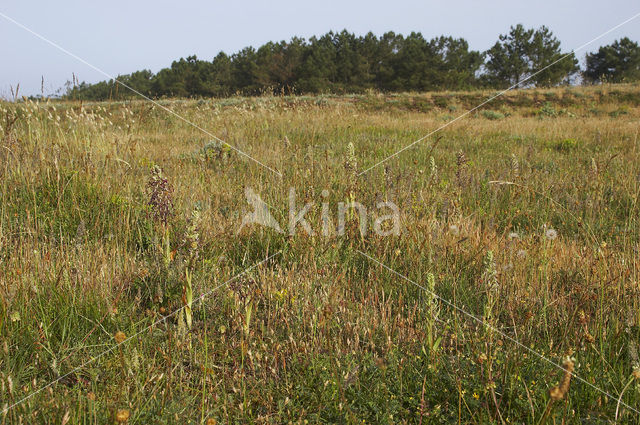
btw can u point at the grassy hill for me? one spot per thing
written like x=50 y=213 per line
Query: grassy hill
x=523 y=215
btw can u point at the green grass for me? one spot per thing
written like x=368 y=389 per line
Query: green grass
x=320 y=333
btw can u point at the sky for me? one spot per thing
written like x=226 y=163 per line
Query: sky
x=120 y=37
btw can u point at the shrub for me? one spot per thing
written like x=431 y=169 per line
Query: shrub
x=548 y=110
x=492 y=115
x=564 y=145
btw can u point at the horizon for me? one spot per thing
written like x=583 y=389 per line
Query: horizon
x=174 y=32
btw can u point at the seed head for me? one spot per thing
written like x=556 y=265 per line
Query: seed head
x=351 y=162
x=433 y=168
x=551 y=234
x=160 y=195
x=120 y=337
x=515 y=165
x=558 y=392
x=192 y=236
x=490 y=272
x=594 y=166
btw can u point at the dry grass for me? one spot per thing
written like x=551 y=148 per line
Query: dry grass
x=320 y=333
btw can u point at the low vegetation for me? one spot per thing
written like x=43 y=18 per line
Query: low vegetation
x=116 y=217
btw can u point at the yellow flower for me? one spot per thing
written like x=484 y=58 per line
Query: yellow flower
x=475 y=395
x=122 y=415
x=120 y=337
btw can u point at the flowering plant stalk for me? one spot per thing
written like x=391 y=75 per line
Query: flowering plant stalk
x=161 y=207
x=433 y=342
x=351 y=165
x=192 y=240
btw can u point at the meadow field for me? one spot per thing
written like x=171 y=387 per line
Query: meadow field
x=131 y=293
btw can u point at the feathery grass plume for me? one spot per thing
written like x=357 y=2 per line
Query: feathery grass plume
x=515 y=165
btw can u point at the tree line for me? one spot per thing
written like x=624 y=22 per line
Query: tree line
x=342 y=62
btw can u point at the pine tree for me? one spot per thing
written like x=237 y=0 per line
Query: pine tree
x=617 y=62
x=517 y=58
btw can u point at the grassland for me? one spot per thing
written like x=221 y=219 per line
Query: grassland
x=320 y=333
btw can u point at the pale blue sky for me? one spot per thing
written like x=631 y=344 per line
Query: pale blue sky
x=123 y=36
